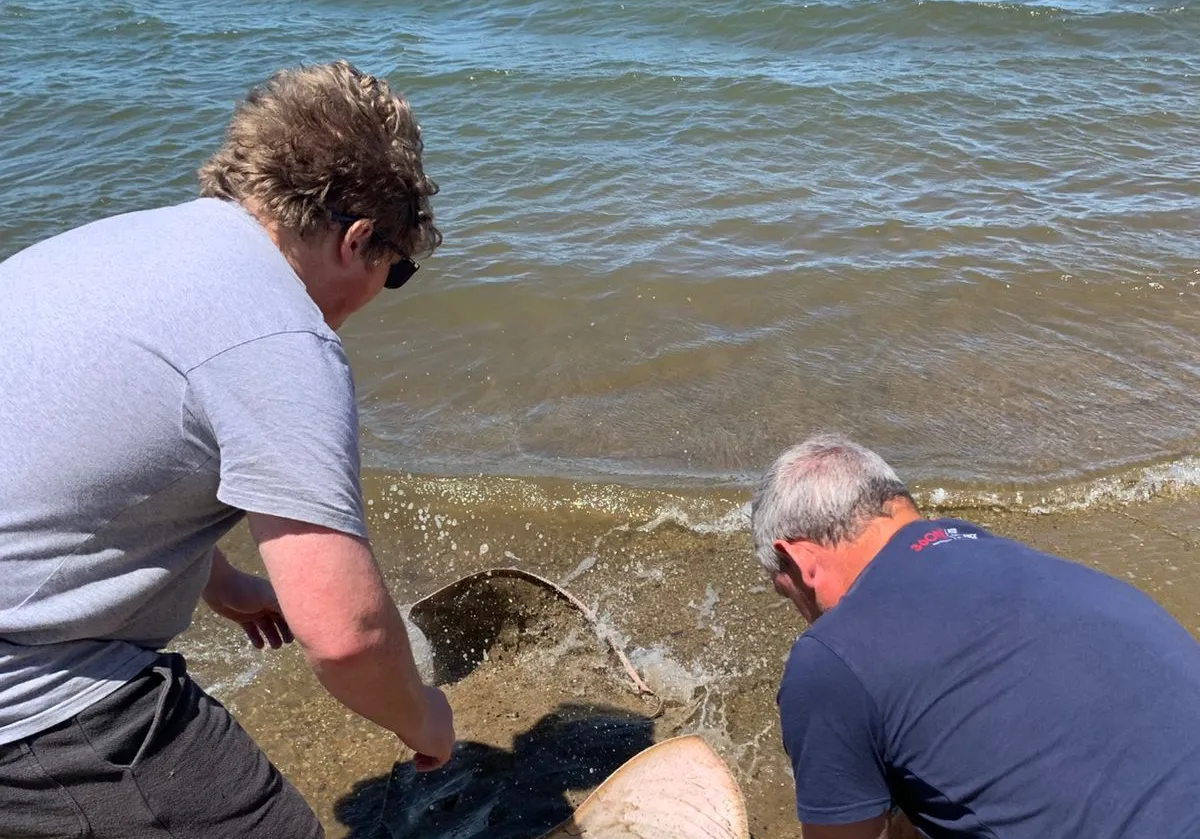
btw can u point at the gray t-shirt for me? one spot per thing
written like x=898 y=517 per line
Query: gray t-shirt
x=162 y=371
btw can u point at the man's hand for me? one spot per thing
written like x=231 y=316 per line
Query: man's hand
x=435 y=741
x=247 y=600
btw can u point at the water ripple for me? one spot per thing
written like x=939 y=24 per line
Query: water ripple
x=677 y=238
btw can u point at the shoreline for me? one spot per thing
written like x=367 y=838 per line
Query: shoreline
x=669 y=574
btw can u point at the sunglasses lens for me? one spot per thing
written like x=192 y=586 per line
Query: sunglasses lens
x=400 y=273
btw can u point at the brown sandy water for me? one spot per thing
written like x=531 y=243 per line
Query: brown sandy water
x=550 y=713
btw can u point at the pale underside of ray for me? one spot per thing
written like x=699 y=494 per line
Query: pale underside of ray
x=677 y=789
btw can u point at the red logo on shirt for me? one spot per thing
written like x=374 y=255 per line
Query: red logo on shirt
x=940 y=536
x=928 y=539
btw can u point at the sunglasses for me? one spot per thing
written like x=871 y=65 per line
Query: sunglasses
x=400 y=272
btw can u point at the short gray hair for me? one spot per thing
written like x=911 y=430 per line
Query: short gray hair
x=824 y=490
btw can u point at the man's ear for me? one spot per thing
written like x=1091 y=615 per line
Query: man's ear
x=353 y=240
x=798 y=559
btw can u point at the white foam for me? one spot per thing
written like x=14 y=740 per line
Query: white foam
x=733 y=521
x=221 y=689
x=666 y=676
x=589 y=561
x=230 y=652
x=573 y=641
x=422 y=650
x=1133 y=487
x=706 y=610
x=585 y=564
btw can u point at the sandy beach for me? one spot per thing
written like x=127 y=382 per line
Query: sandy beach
x=670 y=575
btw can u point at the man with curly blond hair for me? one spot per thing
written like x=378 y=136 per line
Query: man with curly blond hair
x=173 y=371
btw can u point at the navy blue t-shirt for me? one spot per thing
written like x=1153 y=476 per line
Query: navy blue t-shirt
x=990 y=690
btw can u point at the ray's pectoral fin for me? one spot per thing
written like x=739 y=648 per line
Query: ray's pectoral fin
x=677 y=789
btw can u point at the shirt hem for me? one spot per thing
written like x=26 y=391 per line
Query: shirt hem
x=843 y=815
x=293 y=509
x=117 y=678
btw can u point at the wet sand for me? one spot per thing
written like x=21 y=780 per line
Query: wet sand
x=670 y=575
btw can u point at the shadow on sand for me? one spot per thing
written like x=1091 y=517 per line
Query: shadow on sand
x=487 y=791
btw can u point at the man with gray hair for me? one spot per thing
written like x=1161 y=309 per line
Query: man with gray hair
x=977 y=685
x=167 y=373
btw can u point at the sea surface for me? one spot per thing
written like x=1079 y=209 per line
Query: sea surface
x=681 y=236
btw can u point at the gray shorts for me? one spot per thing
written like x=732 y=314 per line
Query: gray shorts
x=158 y=758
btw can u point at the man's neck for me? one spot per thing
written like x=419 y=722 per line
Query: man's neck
x=290 y=244
x=857 y=554
x=302 y=255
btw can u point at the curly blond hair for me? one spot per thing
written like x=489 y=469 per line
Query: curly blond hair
x=313 y=143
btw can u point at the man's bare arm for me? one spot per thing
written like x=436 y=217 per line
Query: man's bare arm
x=248 y=600
x=880 y=827
x=337 y=606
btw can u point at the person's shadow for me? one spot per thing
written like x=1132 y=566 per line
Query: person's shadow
x=485 y=791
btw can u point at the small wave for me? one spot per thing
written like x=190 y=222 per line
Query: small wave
x=858 y=24
x=124 y=22
x=1137 y=486
x=733 y=521
x=725 y=512
x=1178 y=477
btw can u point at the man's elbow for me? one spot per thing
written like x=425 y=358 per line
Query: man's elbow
x=345 y=648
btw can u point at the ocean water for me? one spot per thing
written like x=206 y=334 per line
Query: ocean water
x=681 y=236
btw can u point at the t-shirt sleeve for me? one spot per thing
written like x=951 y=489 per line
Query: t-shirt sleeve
x=282 y=411
x=829 y=725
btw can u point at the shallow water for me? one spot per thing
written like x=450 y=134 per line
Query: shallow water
x=678 y=238
x=669 y=576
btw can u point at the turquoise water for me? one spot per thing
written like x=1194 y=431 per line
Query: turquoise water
x=680 y=236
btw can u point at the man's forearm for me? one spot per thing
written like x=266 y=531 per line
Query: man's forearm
x=379 y=681
x=219 y=572
x=340 y=611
